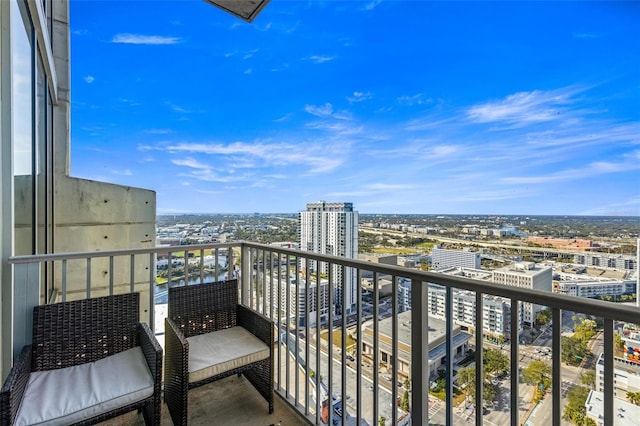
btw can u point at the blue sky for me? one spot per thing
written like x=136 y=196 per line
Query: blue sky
x=396 y=106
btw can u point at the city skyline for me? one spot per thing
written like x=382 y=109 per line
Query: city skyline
x=456 y=107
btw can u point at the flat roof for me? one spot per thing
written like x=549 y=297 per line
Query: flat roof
x=435 y=333
x=625 y=412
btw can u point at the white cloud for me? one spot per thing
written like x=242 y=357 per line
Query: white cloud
x=317 y=59
x=417 y=99
x=522 y=108
x=248 y=71
x=125 y=172
x=371 y=5
x=321 y=111
x=320 y=157
x=158 y=131
x=127 y=38
x=359 y=97
x=190 y=162
x=89 y=79
x=177 y=108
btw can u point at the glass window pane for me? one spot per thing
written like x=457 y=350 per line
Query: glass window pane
x=22 y=126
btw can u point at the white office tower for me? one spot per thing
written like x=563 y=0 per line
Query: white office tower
x=332 y=229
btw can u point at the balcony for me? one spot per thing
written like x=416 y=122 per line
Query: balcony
x=356 y=366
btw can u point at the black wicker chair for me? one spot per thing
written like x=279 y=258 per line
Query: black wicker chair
x=199 y=316
x=77 y=345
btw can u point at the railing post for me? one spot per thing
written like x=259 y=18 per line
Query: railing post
x=245 y=272
x=26 y=293
x=419 y=353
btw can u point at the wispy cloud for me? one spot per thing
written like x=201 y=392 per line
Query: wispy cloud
x=127 y=38
x=318 y=59
x=325 y=110
x=177 y=108
x=314 y=157
x=523 y=108
x=89 y=79
x=590 y=170
x=359 y=97
x=125 y=172
x=418 y=99
x=371 y=5
x=250 y=54
x=158 y=131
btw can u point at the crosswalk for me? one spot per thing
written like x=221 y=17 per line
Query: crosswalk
x=434 y=407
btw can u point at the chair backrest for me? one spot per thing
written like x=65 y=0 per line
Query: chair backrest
x=81 y=331
x=203 y=308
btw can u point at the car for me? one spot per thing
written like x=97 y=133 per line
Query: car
x=350 y=358
x=370 y=387
x=387 y=377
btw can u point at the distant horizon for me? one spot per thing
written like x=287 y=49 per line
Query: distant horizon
x=455 y=106
x=406 y=214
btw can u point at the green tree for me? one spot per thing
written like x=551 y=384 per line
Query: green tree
x=575 y=410
x=634 y=397
x=382 y=421
x=495 y=361
x=618 y=343
x=538 y=374
x=405 y=401
x=543 y=316
x=573 y=350
x=588 y=378
x=407 y=383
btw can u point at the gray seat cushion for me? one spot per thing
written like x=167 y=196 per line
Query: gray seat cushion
x=214 y=353
x=69 y=395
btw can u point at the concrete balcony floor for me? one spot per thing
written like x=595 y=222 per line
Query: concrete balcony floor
x=230 y=401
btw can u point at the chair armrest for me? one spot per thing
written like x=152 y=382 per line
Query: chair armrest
x=259 y=325
x=13 y=388
x=176 y=372
x=151 y=349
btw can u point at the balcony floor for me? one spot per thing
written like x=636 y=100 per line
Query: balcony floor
x=230 y=401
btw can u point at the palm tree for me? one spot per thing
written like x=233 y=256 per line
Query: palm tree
x=634 y=397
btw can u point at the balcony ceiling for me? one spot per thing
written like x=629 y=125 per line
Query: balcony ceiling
x=243 y=9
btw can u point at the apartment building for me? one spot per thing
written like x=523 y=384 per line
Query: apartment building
x=332 y=229
x=444 y=258
x=604 y=260
x=594 y=288
x=526 y=275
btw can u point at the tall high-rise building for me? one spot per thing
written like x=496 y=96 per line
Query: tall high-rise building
x=332 y=228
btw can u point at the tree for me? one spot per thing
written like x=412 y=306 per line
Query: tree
x=573 y=350
x=575 y=410
x=634 y=397
x=407 y=383
x=382 y=421
x=495 y=361
x=588 y=378
x=538 y=374
x=405 y=401
x=543 y=316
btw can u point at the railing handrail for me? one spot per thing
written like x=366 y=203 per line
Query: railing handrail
x=597 y=308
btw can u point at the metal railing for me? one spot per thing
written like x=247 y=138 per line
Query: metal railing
x=332 y=344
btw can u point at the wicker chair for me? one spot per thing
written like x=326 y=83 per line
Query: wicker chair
x=209 y=336
x=90 y=360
